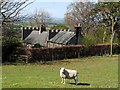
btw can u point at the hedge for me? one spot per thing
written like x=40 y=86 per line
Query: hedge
x=67 y=52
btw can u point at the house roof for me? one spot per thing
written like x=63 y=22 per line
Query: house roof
x=62 y=37
x=36 y=37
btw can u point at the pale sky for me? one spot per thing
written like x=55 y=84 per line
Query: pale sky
x=56 y=8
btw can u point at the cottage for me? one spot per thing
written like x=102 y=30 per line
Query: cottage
x=50 y=38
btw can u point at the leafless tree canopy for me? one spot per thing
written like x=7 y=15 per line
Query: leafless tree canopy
x=11 y=8
x=77 y=13
x=10 y=15
x=41 y=17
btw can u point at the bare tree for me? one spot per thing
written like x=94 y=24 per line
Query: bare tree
x=10 y=15
x=70 y=21
x=11 y=8
x=77 y=12
x=10 y=11
x=41 y=17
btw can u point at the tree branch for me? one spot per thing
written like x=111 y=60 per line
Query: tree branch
x=12 y=9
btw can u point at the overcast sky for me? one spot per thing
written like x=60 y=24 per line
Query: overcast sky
x=56 y=8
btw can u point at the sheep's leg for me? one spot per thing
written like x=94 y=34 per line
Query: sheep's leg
x=76 y=80
x=64 y=81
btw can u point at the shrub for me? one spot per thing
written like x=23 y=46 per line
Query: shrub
x=8 y=48
x=89 y=40
x=59 y=26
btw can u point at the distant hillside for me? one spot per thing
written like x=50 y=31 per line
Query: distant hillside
x=54 y=20
x=58 y=20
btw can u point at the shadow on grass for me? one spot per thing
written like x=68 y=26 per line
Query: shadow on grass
x=82 y=84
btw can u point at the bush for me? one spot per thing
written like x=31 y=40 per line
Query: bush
x=60 y=26
x=8 y=48
x=89 y=40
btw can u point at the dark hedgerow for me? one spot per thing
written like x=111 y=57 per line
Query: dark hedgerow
x=68 y=52
x=9 y=46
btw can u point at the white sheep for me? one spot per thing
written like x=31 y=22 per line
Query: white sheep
x=68 y=74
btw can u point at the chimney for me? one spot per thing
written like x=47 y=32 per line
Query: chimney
x=79 y=37
x=43 y=28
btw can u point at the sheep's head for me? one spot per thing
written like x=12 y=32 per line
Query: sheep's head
x=62 y=69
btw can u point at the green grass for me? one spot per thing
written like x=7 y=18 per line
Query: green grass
x=99 y=72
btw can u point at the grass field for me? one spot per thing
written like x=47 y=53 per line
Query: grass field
x=94 y=72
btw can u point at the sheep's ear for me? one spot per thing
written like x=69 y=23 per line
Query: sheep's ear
x=60 y=68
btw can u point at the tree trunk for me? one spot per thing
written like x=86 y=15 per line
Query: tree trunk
x=104 y=36
x=111 y=41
